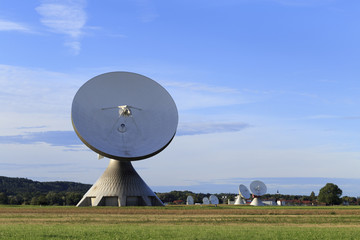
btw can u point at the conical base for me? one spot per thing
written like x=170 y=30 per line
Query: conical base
x=256 y=202
x=120 y=185
x=239 y=201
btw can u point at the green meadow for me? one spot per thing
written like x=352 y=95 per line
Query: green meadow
x=179 y=222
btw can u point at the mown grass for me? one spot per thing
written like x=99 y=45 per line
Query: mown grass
x=179 y=222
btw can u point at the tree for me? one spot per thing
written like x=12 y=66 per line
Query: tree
x=54 y=198
x=349 y=200
x=312 y=196
x=72 y=198
x=3 y=198
x=330 y=194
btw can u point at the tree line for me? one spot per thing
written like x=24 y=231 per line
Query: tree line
x=18 y=191
x=330 y=194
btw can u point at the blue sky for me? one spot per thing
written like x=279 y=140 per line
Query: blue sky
x=266 y=89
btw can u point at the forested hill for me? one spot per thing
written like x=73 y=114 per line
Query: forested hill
x=15 y=186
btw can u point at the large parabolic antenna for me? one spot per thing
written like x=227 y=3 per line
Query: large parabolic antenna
x=258 y=188
x=126 y=117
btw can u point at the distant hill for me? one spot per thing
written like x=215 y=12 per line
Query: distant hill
x=15 y=186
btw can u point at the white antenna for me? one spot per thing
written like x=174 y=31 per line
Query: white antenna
x=214 y=200
x=258 y=188
x=206 y=201
x=189 y=200
x=143 y=126
x=244 y=194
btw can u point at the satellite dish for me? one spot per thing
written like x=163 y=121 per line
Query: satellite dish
x=206 y=201
x=189 y=200
x=244 y=191
x=214 y=200
x=239 y=200
x=244 y=194
x=124 y=116
x=258 y=188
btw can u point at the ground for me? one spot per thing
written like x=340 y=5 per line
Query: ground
x=179 y=222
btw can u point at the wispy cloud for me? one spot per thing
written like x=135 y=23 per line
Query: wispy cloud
x=69 y=138
x=68 y=18
x=333 y=117
x=201 y=87
x=19 y=166
x=13 y=26
x=207 y=128
x=191 y=95
x=36 y=90
x=54 y=138
x=32 y=127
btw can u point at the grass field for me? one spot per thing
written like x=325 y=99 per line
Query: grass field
x=179 y=222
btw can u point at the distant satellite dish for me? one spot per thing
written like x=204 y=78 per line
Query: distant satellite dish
x=124 y=116
x=206 y=201
x=214 y=199
x=244 y=191
x=244 y=194
x=258 y=188
x=239 y=200
x=189 y=200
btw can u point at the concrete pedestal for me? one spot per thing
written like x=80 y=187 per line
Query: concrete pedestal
x=120 y=185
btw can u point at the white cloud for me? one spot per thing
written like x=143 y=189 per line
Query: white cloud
x=196 y=128
x=201 y=87
x=190 y=95
x=36 y=97
x=13 y=26
x=68 y=18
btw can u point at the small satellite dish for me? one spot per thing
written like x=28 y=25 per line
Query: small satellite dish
x=206 y=201
x=244 y=194
x=258 y=188
x=124 y=116
x=214 y=199
x=244 y=191
x=189 y=200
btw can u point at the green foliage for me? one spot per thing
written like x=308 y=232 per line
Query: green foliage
x=14 y=186
x=312 y=196
x=17 y=191
x=173 y=197
x=330 y=194
x=3 y=198
x=350 y=200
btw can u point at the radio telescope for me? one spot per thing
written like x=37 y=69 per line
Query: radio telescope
x=258 y=188
x=189 y=200
x=243 y=195
x=214 y=200
x=206 y=201
x=126 y=117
